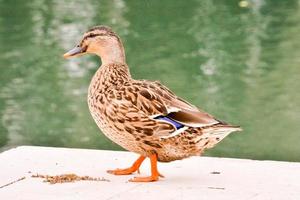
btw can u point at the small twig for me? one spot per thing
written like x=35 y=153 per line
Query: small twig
x=20 y=179
x=216 y=188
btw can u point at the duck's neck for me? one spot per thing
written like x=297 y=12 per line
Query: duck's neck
x=114 y=73
x=111 y=52
x=110 y=75
x=114 y=70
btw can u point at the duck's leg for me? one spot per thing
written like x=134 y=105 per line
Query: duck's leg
x=135 y=167
x=154 y=172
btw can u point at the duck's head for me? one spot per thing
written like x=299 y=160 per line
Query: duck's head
x=102 y=41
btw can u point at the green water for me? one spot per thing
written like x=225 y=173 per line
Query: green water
x=240 y=64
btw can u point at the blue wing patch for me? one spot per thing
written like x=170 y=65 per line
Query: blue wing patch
x=171 y=121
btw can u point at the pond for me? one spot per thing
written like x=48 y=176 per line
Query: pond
x=237 y=61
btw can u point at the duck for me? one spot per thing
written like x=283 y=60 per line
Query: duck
x=142 y=116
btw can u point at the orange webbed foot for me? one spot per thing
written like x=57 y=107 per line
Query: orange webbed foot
x=126 y=171
x=154 y=172
x=135 y=167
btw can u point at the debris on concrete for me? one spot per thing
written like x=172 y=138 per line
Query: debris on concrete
x=67 y=178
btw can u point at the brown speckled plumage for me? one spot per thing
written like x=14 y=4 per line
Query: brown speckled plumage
x=126 y=110
x=122 y=108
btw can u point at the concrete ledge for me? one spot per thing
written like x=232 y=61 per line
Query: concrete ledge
x=194 y=178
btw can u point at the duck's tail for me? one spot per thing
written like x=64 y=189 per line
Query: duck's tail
x=220 y=129
x=218 y=132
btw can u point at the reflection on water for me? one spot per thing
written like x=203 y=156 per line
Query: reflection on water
x=240 y=64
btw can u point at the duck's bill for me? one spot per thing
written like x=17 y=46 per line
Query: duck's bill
x=76 y=51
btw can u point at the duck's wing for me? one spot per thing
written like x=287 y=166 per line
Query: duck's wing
x=125 y=115
x=158 y=101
